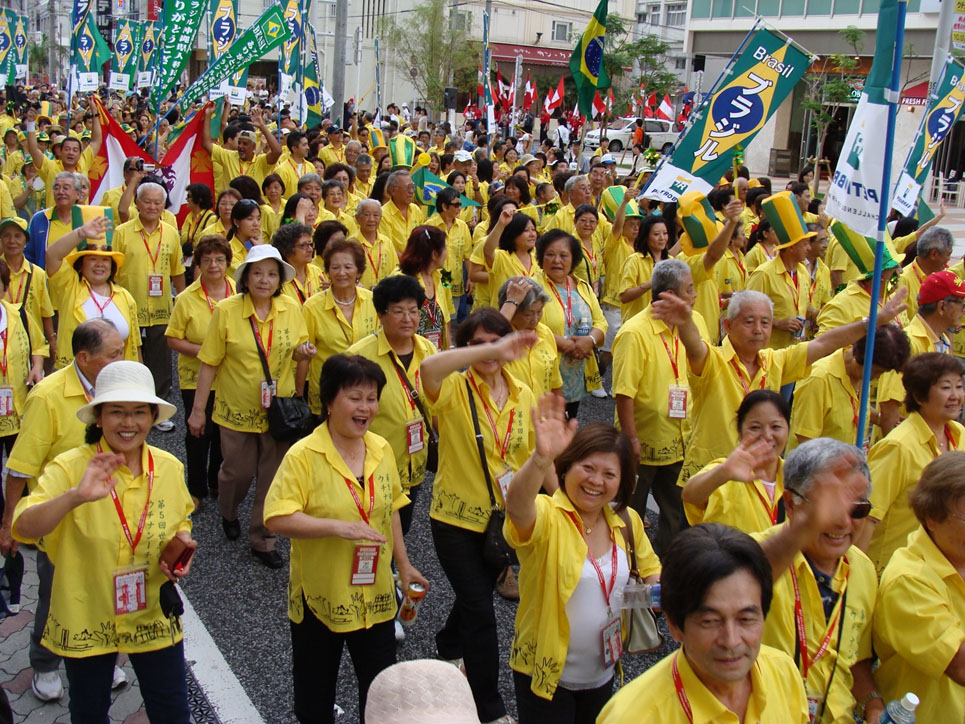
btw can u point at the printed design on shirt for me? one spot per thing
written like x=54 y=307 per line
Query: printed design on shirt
x=338 y=614
x=104 y=635
x=452 y=506
x=656 y=454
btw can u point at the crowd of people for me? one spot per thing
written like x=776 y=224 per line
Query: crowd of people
x=342 y=339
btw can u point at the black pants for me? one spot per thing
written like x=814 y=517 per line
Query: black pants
x=405 y=514
x=316 y=654
x=470 y=630
x=6 y=445
x=661 y=480
x=566 y=707
x=203 y=454
x=157 y=357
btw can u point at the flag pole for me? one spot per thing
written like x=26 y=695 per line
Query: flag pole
x=884 y=204
x=160 y=63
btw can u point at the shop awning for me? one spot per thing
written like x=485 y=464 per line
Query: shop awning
x=532 y=54
x=917 y=95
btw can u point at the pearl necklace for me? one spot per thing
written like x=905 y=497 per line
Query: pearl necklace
x=345 y=303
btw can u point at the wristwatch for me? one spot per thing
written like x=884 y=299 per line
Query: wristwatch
x=862 y=705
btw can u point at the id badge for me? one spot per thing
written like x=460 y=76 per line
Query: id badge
x=504 y=479
x=413 y=433
x=154 y=287
x=814 y=704
x=677 y=402
x=435 y=338
x=6 y=401
x=130 y=591
x=267 y=393
x=364 y=565
x=612 y=642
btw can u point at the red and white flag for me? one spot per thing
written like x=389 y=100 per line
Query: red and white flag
x=480 y=91
x=554 y=97
x=529 y=94
x=186 y=162
x=665 y=110
x=504 y=90
x=651 y=104
x=107 y=170
x=599 y=107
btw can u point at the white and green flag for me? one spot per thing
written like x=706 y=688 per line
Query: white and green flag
x=181 y=22
x=127 y=45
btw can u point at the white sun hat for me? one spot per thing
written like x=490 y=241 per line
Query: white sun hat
x=424 y=691
x=125 y=381
x=260 y=253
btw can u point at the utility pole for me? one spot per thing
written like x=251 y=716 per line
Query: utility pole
x=338 y=62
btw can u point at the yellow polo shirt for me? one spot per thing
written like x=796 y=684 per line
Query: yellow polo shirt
x=189 y=320
x=790 y=296
x=780 y=628
x=745 y=506
x=616 y=251
x=332 y=334
x=539 y=368
x=482 y=294
x=193 y=225
x=51 y=167
x=826 y=404
x=747 y=220
x=592 y=268
x=329 y=154
x=911 y=277
x=922 y=339
x=919 y=625
x=777 y=695
x=228 y=166
x=958 y=342
x=708 y=297
x=551 y=562
x=88 y=547
x=145 y=254
x=757 y=256
x=849 y=305
x=819 y=285
x=896 y=462
x=314 y=284
x=15 y=349
x=56 y=228
x=565 y=219
x=505 y=266
x=730 y=272
x=36 y=299
x=396 y=410
x=398 y=229
x=380 y=259
x=636 y=270
x=459 y=494
x=718 y=392
x=313 y=479
x=459 y=249
x=12 y=163
x=290 y=171
x=230 y=346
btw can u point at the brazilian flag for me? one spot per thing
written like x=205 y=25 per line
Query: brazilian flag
x=427 y=185
x=586 y=63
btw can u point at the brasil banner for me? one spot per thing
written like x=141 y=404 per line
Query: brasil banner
x=313 y=89
x=266 y=33
x=20 y=46
x=761 y=78
x=181 y=22
x=222 y=29
x=127 y=43
x=145 y=61
x=945 y=105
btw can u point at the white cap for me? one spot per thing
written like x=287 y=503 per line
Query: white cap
x=608 y=158
x=462 y=156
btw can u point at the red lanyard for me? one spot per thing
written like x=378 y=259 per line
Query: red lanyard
x=261 y=345
x=740 y=375
x=948 y=430
x=769 y=507
x=358 y=503
x=431 y=310
x=405 y=387
x=673 y=357
x=376 y=268
x=20 y=289
x=157 y=252
x=96 y=304
x=806 y=662
x=791 y=279
x=679 y=686
x=592 y=257
x=492 y=423
x=607 y=590
x=568 y=308
x=3 y=338
x=227 y=293
x=740 y=265
x=120 y=510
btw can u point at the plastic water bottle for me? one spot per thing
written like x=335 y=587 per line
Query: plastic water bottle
x=583 y=327
x=641 y=595
x=901 y=711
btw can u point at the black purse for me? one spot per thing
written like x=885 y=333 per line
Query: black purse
x=432 y=444
x=289 y=418
x=497 y=553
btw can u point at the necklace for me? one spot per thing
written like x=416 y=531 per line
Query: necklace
x=345 y=303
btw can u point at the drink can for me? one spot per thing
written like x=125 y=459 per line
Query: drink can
x=800 y=333
x=410 y=606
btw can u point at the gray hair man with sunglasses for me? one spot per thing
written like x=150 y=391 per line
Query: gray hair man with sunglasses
x=824 y=586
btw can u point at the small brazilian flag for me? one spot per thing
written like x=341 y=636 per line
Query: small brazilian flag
x=427 y=185
x=586 y=63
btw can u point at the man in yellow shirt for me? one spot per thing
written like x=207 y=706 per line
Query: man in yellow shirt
x=399 y=215
x=363 y=174
x=228 y=163
x=716 y=591
x=295 y=165
x=72 y=157
x=48 y=225
x=932 y=254
x=334 y=152
x=152 y=265
x=577 y=190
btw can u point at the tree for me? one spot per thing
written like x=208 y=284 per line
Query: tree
x=37 y=55
x=427 y=40
x=632 y=62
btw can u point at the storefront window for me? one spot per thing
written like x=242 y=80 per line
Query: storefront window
x=792 y=7
x=847 y=7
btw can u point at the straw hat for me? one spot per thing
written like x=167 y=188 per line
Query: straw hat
x=85 y=248
x=125 y=381
x=420 y=692
x=785 y=216
x=260 y=253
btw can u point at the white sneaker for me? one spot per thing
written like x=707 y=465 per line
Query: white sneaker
x=399 y=632
x=165 y=425
x=120 y=678
x=47 y=685
x=599 y=392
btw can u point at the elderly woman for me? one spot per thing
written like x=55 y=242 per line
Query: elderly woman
x=573 y=314
x=294 y=243
x=244 y=232
x=521 y=300
x=341 y=589
x=27 y=289
x=458 y=242
x=933 y=387
x=193 y=309
x=112 y=513
x=918 y=633
x=591 y=269
x=568 y=543
x=424 y=258
x=81 y=272
x=379 y=249
x=475 y=398
x=341 y=315
x=258 y=323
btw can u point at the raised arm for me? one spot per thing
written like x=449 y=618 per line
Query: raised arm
x=621 y=215
x=492 y=239
x=437 y=367
x=206 y=142
x=36 y=155
x=274 y=148
x=674 y=311
x=718 y=246
x=745 y=464
x=96 y=133
x=834 y=339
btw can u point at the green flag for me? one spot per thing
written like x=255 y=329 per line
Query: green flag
x=427 y=185
x=313 y=89
x=586 y=63
x=127 y=44
x=91 y=49
x=181 y=22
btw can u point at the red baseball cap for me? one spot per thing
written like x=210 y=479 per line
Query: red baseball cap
x=940 y=285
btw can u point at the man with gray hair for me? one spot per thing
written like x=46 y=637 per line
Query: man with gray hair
x=824 y=586
x=399 y=215
x=363 y=173
x=152 y=265
x=721 y=376
x=379 y=250
x=932 y=254
x=48 y=225
x=577 y=189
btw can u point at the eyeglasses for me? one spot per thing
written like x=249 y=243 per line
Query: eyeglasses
x=859 y=510
x=306 y=245
x=213 y=261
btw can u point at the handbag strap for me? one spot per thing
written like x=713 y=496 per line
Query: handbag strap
x=261 y=355
x=624 y=515
x=23 y=312
x=479 y=445
x=414 y=396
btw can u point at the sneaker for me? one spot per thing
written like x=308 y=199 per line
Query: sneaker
x=506 y=585
x=120 y=678
x=165 y=425
x=599 y=392
x=399 y=632
x=47 y=686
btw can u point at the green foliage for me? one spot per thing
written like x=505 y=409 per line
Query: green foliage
x=623 y=55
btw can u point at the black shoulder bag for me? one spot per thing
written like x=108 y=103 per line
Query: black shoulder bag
x=432 y=444
x=289 y=418
x=23 y=313
x=497 y=553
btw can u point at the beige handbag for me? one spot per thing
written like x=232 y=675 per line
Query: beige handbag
x=643 y=636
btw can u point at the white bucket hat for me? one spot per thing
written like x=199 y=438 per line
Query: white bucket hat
x=125 y=381
x=260 y=253
x=424 y=691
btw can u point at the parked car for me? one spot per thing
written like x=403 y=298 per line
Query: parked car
x=657 y=134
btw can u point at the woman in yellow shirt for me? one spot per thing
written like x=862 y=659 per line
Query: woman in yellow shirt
x=78 y=507
x=294 y=243
x=760 y=247
x=424 y=258
x=186 y=331
x=300 y=208
x=199 y=216
x=478 y=272
x=458 y=241
x=249 y=189
x=244 y=232
x=591 y=268
x=222 y=221
x=258 y=321
x=273 y=189
x=463 y=490
x=337 y=496
x=569 y=549
x=650 y=246
x=508 y=251
x=339 y=316
x=522 y=300
x=744 y=490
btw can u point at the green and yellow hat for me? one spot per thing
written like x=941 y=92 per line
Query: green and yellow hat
x=861 y=250
x=784 y=215
x=42 y=137
x=700 y=225
x=377 y=139
x=610 y=200
x=403 y=151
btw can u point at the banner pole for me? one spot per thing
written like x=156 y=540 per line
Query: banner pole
x=883 y=206
x=160 y=64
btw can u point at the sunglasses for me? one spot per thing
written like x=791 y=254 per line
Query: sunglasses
x=859 y=510
x=97 y=247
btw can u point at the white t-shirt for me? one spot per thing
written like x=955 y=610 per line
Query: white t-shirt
x=111 y=312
